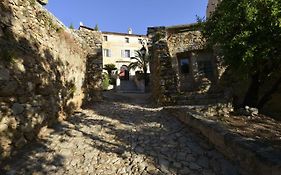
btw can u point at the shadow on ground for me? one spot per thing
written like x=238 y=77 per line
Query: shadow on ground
x=32 y=157
x=128 y=129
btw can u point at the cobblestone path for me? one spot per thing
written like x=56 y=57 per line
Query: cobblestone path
x=115 y=138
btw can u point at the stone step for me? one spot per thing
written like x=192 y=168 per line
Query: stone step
x=128 y=86
x=200 y=99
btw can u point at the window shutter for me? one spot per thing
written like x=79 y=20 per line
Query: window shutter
x=109 y=52
x=132 y=53
x=122 y=53
x=129 y=53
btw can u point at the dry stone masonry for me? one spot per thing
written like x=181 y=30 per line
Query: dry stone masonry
x=163 y=77
x=42 y=72
x=181 y=66
x=93 y=79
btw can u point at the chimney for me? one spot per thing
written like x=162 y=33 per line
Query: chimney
x=130 y=31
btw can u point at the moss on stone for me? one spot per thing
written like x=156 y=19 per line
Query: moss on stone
x=32 y=2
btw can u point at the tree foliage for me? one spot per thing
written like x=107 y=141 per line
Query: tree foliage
x=140 y=61
x=71 y=26
x=109 y=68
x=248 y=35
x=96 y=27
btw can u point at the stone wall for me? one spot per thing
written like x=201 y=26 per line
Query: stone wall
x=168 y=46
x=43 y=2
x=184 y=38
x=93 y=79
x=250 y=154
x=187 y=41
x=163 y=80
x=42 y=72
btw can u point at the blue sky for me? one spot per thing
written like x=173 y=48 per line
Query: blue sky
x=119 y=15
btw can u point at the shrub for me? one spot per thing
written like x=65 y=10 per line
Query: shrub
x=105 y=81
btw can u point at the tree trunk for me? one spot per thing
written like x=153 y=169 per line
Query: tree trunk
x=252 y=95
x=145 y=76
x=268 y=95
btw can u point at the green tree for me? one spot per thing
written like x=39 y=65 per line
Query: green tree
x=248 y=35
x=109 y=68
x=71 y=26
x=141 y=61
x=96 y=27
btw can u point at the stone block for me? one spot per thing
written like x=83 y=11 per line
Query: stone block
x=43 y=2
x=4 y=74
x=17 y=108
x=3 y=127
x=8 y=89
x=18 y=66
x=1 y=32
x=20 y=142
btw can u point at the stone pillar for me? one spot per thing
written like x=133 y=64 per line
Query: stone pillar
x=93 y=78
x=163 y=76
x=212 y=4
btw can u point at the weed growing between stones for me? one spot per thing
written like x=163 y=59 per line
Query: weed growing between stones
x=72 y=90
x=48 y=22
x=32 y=2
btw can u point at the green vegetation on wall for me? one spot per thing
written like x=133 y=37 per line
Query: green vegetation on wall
x=43 y=16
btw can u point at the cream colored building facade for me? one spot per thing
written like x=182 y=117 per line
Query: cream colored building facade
x=118 y=48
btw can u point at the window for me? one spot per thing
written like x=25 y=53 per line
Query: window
x=106 y=53
x=184 y=65
x=105 y=38
x=205 y=67
x=125 y=53
x=127 y=40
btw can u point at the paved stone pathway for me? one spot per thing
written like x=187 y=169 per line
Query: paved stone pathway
x=117 y=138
